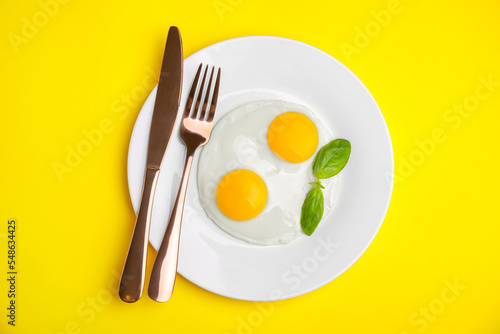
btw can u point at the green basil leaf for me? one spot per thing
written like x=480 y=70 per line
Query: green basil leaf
x=312 y=210
x=331 y=158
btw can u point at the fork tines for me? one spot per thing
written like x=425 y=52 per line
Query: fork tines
x=201 y=112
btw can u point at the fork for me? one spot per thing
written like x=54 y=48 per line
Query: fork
x=194 y=131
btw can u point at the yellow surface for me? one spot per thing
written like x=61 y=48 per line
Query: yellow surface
x=84 y=71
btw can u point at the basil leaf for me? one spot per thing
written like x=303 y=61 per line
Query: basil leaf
x=312 y=210
x=331 y=158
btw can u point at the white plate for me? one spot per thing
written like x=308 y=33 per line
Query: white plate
x=260 y=68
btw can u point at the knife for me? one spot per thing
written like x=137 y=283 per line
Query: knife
x=164 y=118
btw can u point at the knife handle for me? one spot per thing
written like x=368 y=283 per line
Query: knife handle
x=162 y=280
x=134 y=270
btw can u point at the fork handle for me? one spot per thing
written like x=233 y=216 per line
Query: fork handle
x=134 y=270
x=162 y=280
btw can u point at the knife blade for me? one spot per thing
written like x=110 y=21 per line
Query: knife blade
x=167 y=99
x=165 y=113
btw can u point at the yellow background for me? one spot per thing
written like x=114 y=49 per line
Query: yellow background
x=78 y=66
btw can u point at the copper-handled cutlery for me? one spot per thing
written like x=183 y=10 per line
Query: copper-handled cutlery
x=194 y=131
x=164 y=118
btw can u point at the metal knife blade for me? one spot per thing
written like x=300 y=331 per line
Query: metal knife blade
x=167 y=99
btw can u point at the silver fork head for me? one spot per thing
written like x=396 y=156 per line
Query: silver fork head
x=197 y=121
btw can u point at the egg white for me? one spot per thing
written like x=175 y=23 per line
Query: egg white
x=239 y=141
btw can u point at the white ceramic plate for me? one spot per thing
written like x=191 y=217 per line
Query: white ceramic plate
x=261 y=68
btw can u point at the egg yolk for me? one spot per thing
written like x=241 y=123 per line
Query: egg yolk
x=293 y=137
x=241 y=194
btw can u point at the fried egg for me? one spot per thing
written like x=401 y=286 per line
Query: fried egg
x=253 y=174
